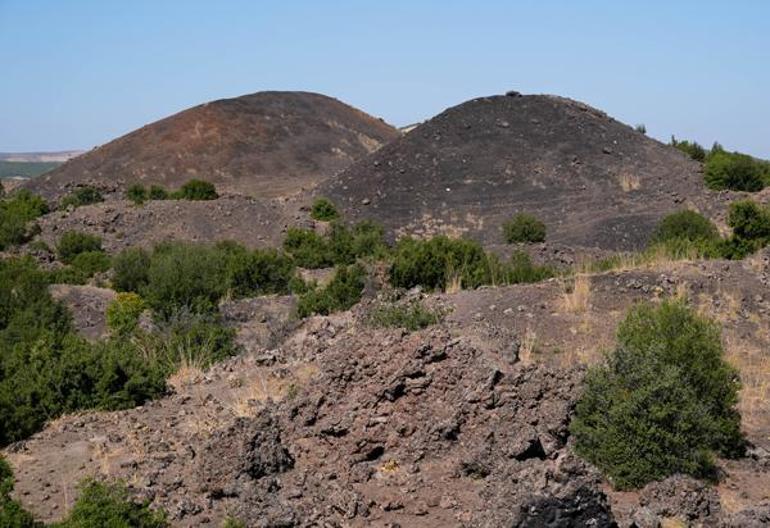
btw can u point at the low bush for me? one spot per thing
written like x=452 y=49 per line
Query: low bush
x=196 y=190
x=91 y=262
x=16 y=213
x=685 y=225
x=736 y=171
x=130 y=270
x=81 y=196
x=323 y=210
x=124 y=312
x=137 y=193
x=411 y=316
x=259 y=272
x=184 y=276
x=662 y=403
x=342 y=292
x=308 y=248
x=103 y=504
x=440 y=262
x=749 y=221
x=157 y=192
x=73 y=243
x=524 y=228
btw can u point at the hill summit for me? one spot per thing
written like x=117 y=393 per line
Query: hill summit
x=594 y=181
x=265 y=144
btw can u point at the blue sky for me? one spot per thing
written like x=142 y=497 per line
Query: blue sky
x=78 y=73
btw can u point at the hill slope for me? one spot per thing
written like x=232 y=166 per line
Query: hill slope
x=265 y=144
x=593 y=180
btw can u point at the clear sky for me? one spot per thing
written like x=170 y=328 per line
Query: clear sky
x=78 y=73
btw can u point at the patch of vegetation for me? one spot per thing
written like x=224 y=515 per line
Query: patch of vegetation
x=16 y=213
x=750 y=223
x=26 y=169
x=736 y=171
x=663 y=402
x=524 y=228
x=691 y=148
x=232 y=522
x=196 y=190
x=12 y=514
x=85 y=195
x=137 y=193
x=324 y=210
x=342 y=245
x=641 y=128
x=73 y=243
x=260 y=272
x=440 y=262
x=124 y=312
x=103 y=504
x=130 y=270
x=342 y=292
x=411 y=316
x=91 y=262
x=687 y=225
x=157 y=192
x=47 y=370
x=184 y=276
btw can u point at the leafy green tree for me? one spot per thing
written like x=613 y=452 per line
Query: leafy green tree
x=16 y=213
x=663 y=402
x=735 y=171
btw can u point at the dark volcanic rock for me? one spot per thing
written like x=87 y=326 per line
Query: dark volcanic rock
x=593 y=180
x=585 y=507
x=265 y=144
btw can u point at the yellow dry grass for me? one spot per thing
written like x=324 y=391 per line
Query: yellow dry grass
x=629 y=182
x=264 y=386
x=528 y=346
x=577 y=294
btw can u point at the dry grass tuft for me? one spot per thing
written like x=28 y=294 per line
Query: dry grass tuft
x=528 y=347
x=190 y=371
x=629 y=182
x=577 y=294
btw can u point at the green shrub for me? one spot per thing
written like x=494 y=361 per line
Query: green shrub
x=137 y=193
x=130 y=270
x=109 y=505
x=12 y=515
x=686 y=225
x=735 y=171
x=232 y=522
x=641 y=128
x=520 y=269
x=260 y=272
x=691 y=148
x=749 y=221
x=123 y=313
x=197 y=190
x=16 y=213
x=323 y=210
x=308 y=248
x=524 y=228
x=81 y=196
x=410 y=316
x=158 y=193
x=184 y=276
x=73 y=243
x=91 y=262
x=433 y=263
x=47 y=370
x=663 y=402
x=342 y=292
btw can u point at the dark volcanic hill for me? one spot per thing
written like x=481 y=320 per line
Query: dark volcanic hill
x=593 y=180
x=266 y=144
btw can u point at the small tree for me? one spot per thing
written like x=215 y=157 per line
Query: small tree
x=663 y=402
x=123 y=313
x=82 y=196
x=685 y=225
x=524 y=228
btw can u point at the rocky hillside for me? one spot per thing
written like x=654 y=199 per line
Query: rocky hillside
x=593 y=180
x=265 y=144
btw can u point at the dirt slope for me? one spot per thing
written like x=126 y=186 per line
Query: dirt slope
x=593 y=180
x=264 y=144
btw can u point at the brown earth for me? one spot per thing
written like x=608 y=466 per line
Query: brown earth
x=265 y=145
x=594 y=181
x=335 y=423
